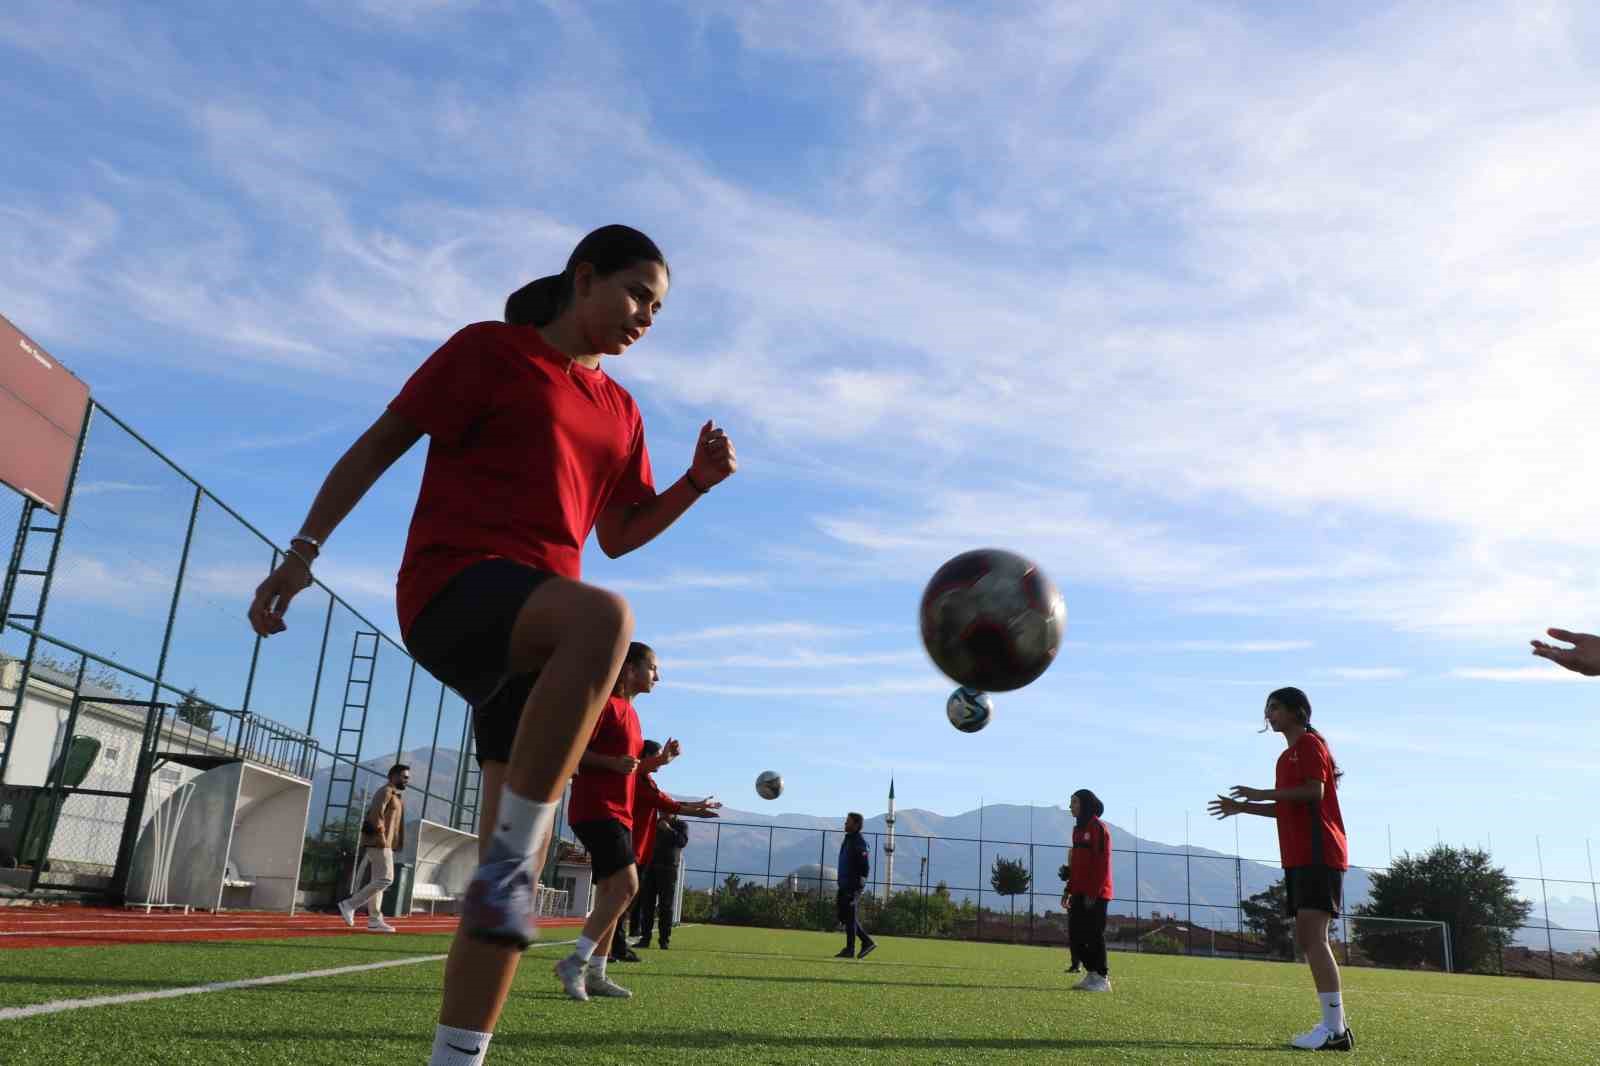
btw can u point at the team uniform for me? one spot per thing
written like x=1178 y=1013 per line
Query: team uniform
x=526 y=449
x=1089 y=888
x=602 y=804
x=1311 y=838
x=657 y=854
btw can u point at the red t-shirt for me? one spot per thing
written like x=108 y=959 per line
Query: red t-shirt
x=1089 y=873
x=526 y=449
x=600 y=794
x=648 y=802
x=1310 y=834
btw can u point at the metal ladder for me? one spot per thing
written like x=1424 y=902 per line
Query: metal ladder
x=352 y=731
x=31 y=523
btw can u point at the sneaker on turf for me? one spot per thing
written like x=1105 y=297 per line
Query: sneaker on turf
x=642 y=942
x=845 y=953
x=381 y=926
x=1093 y=982
x=348 y=913
x=599 y=984
x=628 y=955
x=867 y=949
x=1075 y=968
x=1320 y=1039
x=571 y=971
x=499 y=903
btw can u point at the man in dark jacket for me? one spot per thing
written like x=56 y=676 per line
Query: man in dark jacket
x=853 y=870
x=659 y=889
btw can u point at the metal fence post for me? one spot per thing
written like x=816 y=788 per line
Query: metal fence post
x=769 y=858
x=316 y=684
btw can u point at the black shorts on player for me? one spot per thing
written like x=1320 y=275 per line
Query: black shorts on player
x=463 y=638
x=609 y=844
x=1313 y=888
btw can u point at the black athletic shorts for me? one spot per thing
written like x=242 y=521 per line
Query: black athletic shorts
x=463 y=638
x=1312 y=888
x=609 y=844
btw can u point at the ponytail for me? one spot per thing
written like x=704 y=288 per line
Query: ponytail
x=1293 y=699
x=539 y=302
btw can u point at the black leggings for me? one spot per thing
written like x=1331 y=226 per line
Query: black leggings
x=1086 y=932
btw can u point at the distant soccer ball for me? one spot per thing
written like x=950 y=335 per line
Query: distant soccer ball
x=991 y=620
x=769 y=784
x=968 y=709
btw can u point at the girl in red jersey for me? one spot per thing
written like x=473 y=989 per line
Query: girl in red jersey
x=531 y=447
x=1315 y=855
x=1088 y=891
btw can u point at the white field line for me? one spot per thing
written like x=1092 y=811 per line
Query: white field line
x=60 y=1005
x=259 y=928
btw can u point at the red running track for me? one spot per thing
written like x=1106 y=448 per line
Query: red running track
x=75 y=926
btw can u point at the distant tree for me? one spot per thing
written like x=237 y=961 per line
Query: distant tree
x=1010 y=877
x=196 y=711
x=1592 y=963
x=1264 y=916
x=1459 y=886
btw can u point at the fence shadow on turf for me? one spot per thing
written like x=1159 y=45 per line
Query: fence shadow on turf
x=707 y=1040
x=989 y=986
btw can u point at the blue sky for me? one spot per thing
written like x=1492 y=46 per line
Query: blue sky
x=1270 y=337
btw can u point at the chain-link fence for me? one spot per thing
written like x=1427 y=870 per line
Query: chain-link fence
x=1167 y=901
x=138 y=592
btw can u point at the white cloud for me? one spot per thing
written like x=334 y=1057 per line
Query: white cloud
x=1364 y=673
x=764 y=631
x=680 y=580
x=1535 y=674
x=801 y=659
x=886 y=687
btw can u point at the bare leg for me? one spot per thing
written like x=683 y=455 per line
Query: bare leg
x=611 y=900
x=1311 y=930
x=576 y=636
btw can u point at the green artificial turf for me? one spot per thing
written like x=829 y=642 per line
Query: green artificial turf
x=746 y=996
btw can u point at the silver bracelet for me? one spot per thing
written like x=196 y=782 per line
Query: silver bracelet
x=303 y=560
x=313 y=541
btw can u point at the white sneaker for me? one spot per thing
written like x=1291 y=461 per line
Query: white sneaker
x=1094 y=983
x=599 y=984
x=1320 y=1039
x=380 y=926
x=348 y=913
x=1086 y=983
x=571 y=972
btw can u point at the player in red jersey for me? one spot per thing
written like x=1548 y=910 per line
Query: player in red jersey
x=1311 y=842
x=1088 y=890
x=532 y=447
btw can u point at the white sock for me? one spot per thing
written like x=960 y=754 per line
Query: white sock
x=1332 y=1011
x=459 y=1047
x=522 y=826
x=597 y=965
x=584 y=951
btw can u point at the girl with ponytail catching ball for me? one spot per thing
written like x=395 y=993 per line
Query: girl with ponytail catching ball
x=1315 y=854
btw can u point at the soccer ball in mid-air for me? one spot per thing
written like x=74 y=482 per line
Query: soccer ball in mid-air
x=968 y=709
x=769 y=784
x=991 y=620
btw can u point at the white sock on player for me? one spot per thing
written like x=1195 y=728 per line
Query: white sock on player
x=584 y=950
x=597 y=965
x=522 y=825
x=459 y=1047
x=1332 y=1011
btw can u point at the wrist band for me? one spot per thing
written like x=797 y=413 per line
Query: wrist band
x=313 y=541
x=303 y=560
x=688 y=476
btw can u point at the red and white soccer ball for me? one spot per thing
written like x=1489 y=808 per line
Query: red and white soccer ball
x=991 y=620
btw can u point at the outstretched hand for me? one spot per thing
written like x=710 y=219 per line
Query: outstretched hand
x=714 y=459
x=1223 y=807
x=1582 y=658
x=291 y=578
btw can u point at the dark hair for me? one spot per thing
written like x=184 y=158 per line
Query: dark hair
x=1089 y=806
x=637 y=650
x=608 y=249
x=651 y=747
x=1298 y=703
x=857 y=816
x=396 y=768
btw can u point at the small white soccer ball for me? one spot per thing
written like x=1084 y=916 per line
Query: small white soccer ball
x=769 y=784
x=968 y=709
